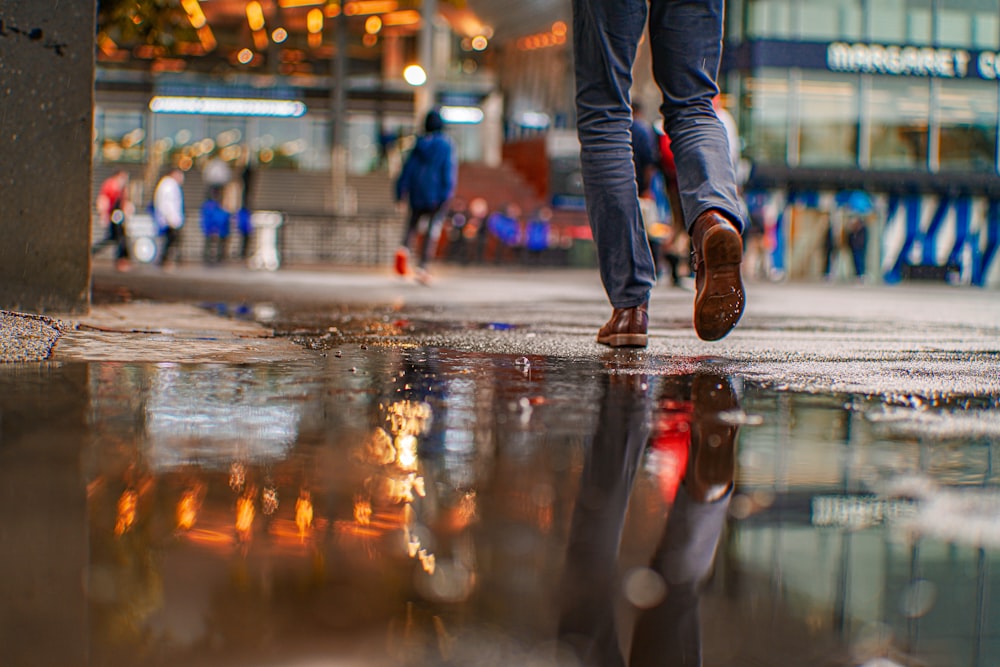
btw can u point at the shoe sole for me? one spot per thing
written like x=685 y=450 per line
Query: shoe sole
x=718 y=306
x=624 y=340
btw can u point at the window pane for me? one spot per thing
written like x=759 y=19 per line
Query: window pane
x=918 y=26
x=899 y=110
x=828 y=120
x=986 y=30
x=954 y=27
x=769 y=18
x=765 y=130
x=120 y=135
x=887 y=21
x=823 y=20
x=968 y=119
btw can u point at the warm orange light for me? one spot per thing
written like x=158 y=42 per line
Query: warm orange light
x=286 y=4
x=260 y=40
x=279 y=35
x=187 y=508
x=402 y=17
x=372 y=25
x=194 y=12
x=255 y=15
x=245 y=513
x=314 y=21
x=304 y=514
x=315 y=40
x=332 y=9
x=362 y=7
x=479 y=43
x=559 y=28
x=362 y=512
x=244 y=56
x=127 y=504
x=207 y=38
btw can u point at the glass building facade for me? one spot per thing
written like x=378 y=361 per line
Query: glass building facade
x=868 y=88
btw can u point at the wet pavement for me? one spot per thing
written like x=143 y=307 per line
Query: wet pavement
x=306 y=468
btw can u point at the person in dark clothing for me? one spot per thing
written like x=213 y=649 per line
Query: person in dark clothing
x=427 y=182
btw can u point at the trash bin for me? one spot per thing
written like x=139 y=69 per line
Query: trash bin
x=265 y=234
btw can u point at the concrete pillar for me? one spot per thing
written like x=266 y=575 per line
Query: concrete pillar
x=46 y=126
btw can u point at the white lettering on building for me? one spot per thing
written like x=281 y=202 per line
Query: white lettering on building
x=908 y=61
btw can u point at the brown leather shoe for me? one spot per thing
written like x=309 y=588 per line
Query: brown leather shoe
x=718 y=254
x=712 y=461
x=626 y=328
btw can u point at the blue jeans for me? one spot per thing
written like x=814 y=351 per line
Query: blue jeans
x=686 y=41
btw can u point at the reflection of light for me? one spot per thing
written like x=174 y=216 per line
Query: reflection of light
x=244 y=56
x=245 y=514
x=479 y=43
x=255 y=15
x=415 y=75
x=373 y=24
x=362 y=512
x=303 y=514
x=559 y=28
x=187 y=508
x=467 y=115
x=260 y=39
x=126 y=511
x=279 y=35
x=406 y=448
x=237 y=476
x=269 y=501
x=224 y=106
x=285 y=4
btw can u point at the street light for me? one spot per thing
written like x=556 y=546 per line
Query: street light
x=415 y=75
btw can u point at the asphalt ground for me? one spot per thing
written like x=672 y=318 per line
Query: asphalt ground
x=912 y=340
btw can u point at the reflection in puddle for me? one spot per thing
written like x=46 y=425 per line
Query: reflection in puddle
x=423 y=506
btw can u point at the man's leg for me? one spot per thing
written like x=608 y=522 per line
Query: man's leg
x=605 y=36
x=686 y=42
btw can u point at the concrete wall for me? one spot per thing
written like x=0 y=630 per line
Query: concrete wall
x=46 y=125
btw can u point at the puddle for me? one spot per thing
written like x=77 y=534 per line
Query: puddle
x=416 y=505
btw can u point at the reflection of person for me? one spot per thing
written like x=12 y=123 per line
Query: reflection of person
x=686 y=42
x=428 y=181
x=667 y=631
x=112 y=209
x=168 y=211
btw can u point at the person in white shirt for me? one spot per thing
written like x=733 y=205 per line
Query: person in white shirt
x=168 y=210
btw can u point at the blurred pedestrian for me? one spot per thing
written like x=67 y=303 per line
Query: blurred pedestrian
x=427 y=182
x=113 y=207
x=686 y=43
x=168 y=211
x=215 y=224
x=216 y=173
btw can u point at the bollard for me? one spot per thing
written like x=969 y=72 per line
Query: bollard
x=265 y=230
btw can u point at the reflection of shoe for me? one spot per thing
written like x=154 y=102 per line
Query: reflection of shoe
x=626 y=328
x=718 y=254
x=713 y=439
x=402 y=261
x=123 y=265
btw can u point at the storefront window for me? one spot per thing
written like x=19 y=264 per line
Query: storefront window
x=978 y=21
x=829 y=20
x=769 y=18
x=899 y=110
x=887 y=21
x=765 y=117
x=967 y=113
x=828 y=121
x=120 y=136
x=954 y=27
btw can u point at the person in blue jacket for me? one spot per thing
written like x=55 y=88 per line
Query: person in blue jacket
x=427 y=182
x=215 y=223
